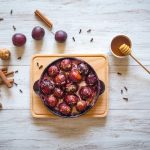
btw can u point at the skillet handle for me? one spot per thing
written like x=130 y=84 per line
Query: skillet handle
x=101 y=87
x=36 y=87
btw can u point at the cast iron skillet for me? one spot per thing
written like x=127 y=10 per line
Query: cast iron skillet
x=99 y=84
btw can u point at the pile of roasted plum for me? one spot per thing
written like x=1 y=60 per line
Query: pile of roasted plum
x=69 y=87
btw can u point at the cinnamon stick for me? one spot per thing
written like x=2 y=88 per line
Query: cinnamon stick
x=10 y=80
x=4 y=69
x=43 y=18
x=9 y=73
x=6 y=81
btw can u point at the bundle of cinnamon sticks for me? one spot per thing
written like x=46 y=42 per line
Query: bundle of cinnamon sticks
x=4 y=77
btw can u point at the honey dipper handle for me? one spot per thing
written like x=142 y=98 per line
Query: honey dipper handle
x=140 y=64
x=6 y=81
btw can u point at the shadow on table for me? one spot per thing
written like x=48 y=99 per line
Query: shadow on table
x=60 y=47
x=19 y=51
x=119 y=63
x=69 y=128
x=38 y=44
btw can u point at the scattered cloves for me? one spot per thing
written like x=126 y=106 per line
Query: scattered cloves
x=88 y=31
x=80 y=31
x=19 y=58
x=11 y=11
x=14 y=28
x=119 y=73
x=125 y=88
x=121 y=91
x=37 y=64
x=20 y=91
x=125 y=98
x=91 y=40
x=15 y=84
x=1 y=19
x=73 y=39
x=41 y=66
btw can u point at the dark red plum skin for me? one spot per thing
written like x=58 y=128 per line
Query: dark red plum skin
x=38 y=33
x=53 y=71
x=47 y=86
x=91 y=79
x=60 y=36
x=66 y=65
x=75 y=76
x=19 y=39
x=81 y=106
x=60 y=79
x=85 y=92
x=52 y=101
x=58 y=93
x=64 y=109
x=83 y=68
x=71 y=100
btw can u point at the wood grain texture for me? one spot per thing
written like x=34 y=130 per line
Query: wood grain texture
x=122 y=129
x=127 y=125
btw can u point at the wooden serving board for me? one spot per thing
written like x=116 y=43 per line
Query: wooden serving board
x=98 y=62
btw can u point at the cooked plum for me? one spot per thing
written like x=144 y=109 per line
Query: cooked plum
x=83 y=68
x=64 y=109
x=66 y=64
x=47 y=86
x=91 y=79
x=85 y=92
x=71 y=99
x=52 y=101
x=60 y=79
x=81 y=105
x=58 y=93
x=75 y=76
x=53 y=71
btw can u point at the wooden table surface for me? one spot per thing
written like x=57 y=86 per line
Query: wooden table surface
x=127 y=125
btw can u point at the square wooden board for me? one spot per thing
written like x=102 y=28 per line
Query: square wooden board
x=98 y=62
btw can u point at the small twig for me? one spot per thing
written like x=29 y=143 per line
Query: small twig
x=88 y=31
x=73 y=39
x=80 y=31
x=9 y=73
x=91 y=40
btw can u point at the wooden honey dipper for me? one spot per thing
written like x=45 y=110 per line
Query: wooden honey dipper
x=4 y=54
x=126 y=50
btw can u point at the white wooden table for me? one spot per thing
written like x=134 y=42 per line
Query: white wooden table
x=128 y=123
